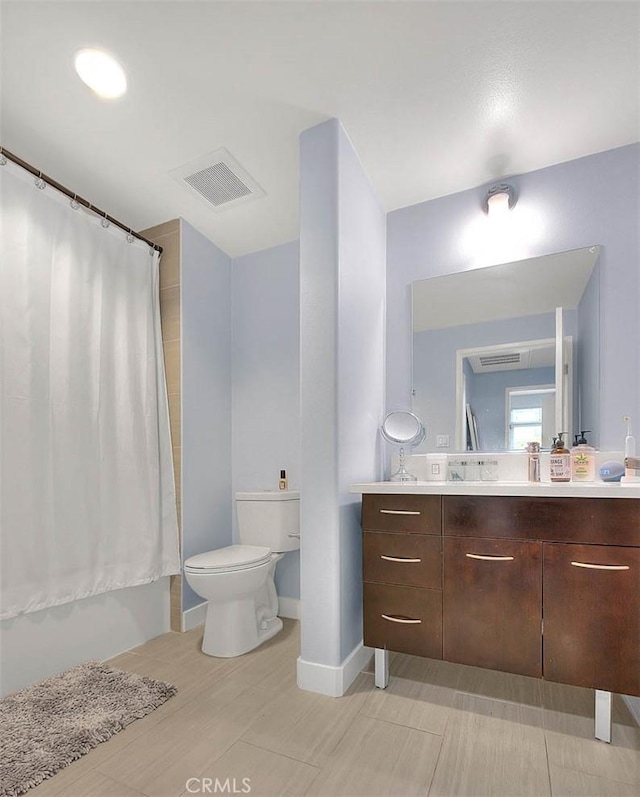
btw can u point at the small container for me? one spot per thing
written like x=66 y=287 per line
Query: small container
x=560 y=461
x=436 y=467
x=533 y=450
x=283 y=483
x=631 y=471
x=456 y=469
x=488 y=470
x=583 y=460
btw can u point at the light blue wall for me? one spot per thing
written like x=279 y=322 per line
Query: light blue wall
x=342 y=282
x=265 y=357
x=360 y=363
x=206 y=398
x=592 y=200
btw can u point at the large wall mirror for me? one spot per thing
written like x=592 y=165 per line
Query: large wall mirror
x=508 y=354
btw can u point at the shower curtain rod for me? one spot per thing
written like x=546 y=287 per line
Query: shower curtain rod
x=64 y=190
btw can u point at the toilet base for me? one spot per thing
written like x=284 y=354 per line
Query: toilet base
x=232 y=628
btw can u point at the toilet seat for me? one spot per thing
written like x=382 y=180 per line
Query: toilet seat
x=229 y=559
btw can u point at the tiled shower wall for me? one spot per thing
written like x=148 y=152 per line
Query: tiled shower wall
x=167 y=236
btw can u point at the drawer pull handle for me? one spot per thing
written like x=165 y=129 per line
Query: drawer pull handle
x=398 y=512
x=398 y=558
x=490 y=558
x=406 y=620
x=600 y=567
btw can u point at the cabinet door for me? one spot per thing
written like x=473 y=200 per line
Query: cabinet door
x=592 y=616
x=492 y=615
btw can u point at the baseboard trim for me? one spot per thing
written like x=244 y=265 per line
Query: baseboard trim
x=333 y=681
x=633 y=704
x=289 y=607
x=193 y=617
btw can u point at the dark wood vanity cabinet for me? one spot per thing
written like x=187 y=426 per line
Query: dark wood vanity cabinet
x=546 y=587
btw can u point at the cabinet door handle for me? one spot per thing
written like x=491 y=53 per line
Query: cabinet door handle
x=490 y=558
x=398 y=558
x=406 y=620
x=398 y=512
x=600 y=567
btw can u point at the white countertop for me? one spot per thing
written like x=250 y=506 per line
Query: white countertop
x=543 y=489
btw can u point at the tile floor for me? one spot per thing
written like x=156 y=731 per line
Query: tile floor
x=438 y=729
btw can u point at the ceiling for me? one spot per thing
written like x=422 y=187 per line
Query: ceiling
x=534 y=286
x=436 y=97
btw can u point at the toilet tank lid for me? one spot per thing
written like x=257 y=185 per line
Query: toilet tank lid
x=269 y=495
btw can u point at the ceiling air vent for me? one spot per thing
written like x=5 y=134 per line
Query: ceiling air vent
x=500 y=359
x=219 y=180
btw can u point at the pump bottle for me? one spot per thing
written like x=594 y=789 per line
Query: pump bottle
x=560 y=460
x=583 y=460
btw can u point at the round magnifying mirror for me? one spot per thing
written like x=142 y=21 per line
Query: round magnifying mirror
x=405 y=429
x=402 y=427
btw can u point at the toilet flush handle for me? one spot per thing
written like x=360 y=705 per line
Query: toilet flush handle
x=295 y=534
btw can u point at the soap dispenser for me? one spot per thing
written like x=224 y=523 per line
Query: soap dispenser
x=560 y=460
x=583 y=460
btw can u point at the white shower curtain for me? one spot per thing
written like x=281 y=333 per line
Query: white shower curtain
x=87 y=502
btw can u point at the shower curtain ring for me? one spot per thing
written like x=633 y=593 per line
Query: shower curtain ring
x=74 y=202
x=3 y=159
x=130 y=237
x=39 y=182
x=105 y=221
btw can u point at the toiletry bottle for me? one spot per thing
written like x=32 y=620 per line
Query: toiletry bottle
x=283 y=484
x=560 y=460
x=631 y=462
x=583 y=460
x=629 y=450
x=534 y=461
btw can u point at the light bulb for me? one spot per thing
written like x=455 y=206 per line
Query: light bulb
x=498 y=205
x=101 y=72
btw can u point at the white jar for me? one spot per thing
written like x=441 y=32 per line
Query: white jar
x=436 y=467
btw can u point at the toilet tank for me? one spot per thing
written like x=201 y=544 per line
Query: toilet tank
x=270 y=518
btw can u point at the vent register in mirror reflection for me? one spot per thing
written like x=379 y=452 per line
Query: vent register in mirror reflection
x=508 y=354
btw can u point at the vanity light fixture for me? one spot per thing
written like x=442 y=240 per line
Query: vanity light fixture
x=499 y=199
x=101 y=72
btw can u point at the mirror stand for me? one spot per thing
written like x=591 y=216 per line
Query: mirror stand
x=406 y=429
x=402 y=475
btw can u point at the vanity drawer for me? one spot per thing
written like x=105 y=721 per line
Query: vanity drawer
x=604 y=521
x=413 y=514
x=406 y=619
x=414 y=560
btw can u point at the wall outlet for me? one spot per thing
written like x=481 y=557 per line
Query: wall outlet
x=442 y=441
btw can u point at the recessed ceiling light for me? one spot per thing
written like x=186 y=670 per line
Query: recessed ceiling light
x=101 y=72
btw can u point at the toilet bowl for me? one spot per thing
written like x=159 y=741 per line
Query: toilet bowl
x=238 y=580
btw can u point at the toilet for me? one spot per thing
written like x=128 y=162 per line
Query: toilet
x=237 y=581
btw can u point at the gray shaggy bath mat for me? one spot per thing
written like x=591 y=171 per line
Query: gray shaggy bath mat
x=47 y=726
